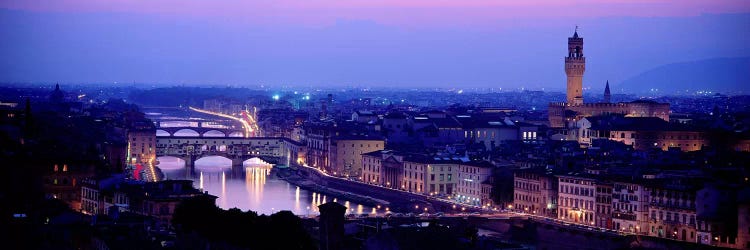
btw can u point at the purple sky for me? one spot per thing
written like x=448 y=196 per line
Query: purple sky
x=419 y=13
x=482 y=43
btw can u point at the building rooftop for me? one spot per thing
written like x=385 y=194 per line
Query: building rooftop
x=616 y=122
x=364 y=113
x=358 y=138
x=395 y=115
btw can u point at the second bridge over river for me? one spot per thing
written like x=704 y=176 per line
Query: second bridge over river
x=275 y=150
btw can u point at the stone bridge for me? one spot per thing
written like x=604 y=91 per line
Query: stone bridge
x=199 y=132
x=274 y=150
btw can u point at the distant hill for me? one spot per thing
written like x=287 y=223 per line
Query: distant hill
x=724 y=75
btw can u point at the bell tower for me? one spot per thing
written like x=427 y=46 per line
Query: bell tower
x=607 y=94
x=575 y=65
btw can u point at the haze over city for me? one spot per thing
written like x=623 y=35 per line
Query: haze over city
x=484 y=44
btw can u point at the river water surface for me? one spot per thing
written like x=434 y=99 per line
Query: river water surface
x=253 y=186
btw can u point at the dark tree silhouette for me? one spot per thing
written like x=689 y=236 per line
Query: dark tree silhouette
x=199 y=216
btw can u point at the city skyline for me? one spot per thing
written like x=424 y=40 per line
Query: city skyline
x=334 y=124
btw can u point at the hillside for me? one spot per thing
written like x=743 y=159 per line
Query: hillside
x=724 y=75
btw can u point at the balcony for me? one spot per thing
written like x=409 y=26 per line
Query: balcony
x=672 y=222
x=655 y=203
x=624 y=216
x=668 y=222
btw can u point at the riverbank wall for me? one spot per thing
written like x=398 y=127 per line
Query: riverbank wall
x=316 y=182
x=516 y=229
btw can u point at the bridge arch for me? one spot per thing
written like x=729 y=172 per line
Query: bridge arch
x=236 y=134
x=161 y=132
x=186 y=132
x=170 y=163
x=213 y=163
x=214 y=133
x=255 y=161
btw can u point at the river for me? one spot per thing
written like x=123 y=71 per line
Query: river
x=253 y=186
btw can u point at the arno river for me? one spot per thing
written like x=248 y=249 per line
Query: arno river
x=253 y=186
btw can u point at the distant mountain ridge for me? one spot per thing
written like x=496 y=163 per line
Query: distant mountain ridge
x=723 y=75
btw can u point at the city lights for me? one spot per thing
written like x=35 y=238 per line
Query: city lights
x=308 y=135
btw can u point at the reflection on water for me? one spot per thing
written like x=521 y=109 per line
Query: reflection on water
x=253 y=186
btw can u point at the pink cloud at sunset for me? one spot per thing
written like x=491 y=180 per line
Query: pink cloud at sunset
x=395 y=12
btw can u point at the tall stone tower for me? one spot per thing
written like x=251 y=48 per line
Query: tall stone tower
x=575 y=65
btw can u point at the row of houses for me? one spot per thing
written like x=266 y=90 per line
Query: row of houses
x=641 y=133
x=683 y=208
x=112 y=194
x=336 y=146
x=448 y=176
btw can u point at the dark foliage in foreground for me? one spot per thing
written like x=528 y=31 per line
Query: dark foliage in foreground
x=234 y=228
